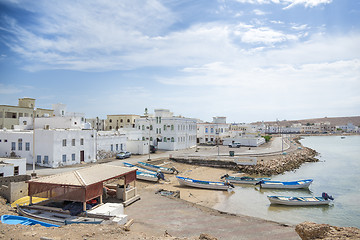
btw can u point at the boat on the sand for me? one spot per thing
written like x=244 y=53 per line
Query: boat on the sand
x=56 y=216
x=243 y=180
x=13 y=219
x=285 y=185
x=158 y=168
x=204 y=184
x=146 y=175
x=301 y=201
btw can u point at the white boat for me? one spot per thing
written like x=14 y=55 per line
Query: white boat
x=157 y=168
x=145 y=175
x=243 y=180
x=204 y=184
x=285 y=185
x=299 y=201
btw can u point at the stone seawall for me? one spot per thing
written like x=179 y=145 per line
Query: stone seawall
x=281 y=164
x=206 y=163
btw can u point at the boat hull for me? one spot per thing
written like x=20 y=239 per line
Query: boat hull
x=238 y=180
x=203 y=184
x=298 y=201
x=286 y=185
x=146 y=176
x=56 y=218
x=12 y=219
x=156 y=168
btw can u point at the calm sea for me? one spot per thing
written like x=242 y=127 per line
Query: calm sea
x=337 y=173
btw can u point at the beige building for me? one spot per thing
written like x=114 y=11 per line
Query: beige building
x=120 y=121
x=9 y=115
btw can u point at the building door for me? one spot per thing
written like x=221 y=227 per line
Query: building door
x=82 y=156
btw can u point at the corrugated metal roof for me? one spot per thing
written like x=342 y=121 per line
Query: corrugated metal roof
x=85 y=176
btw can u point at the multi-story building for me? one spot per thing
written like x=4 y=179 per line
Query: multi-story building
x=96 y=123
x=166 y=131
x=115 y=122
x=9 y=115
x=58 y=141
x=212 y=132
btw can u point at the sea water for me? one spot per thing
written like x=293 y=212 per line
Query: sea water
x=337 y=173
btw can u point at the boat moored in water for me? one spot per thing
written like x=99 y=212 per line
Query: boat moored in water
x=204 y=184
x=285 y=185
x=243 y=180
x=301 y=201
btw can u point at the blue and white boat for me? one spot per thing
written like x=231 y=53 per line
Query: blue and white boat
x=143 y=174
x=13 y=219
x=204 y=184
x=301 y=201
x=158 y=168
x=243 y=180
x=285 y=185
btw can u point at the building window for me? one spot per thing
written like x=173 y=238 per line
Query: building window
x=38 y=158
x=172 y=127
x=117 y=147
x=212 y=130
x=151 y=127
x=64 y=142
x=73 y=142
x=111 y=147
x=143 y=138
x=164 y=127
x=20 y=144
x=13 y=146
x=16 y=170
x=81 y=141
x=73 y=156
x=151 y=138
x=165 y=140
x=206 y=130
x=110 y=120
x=64 y=158
x=172 y=139
x=128 y=120
x=143 y=127
x=46 y=160
x=121 y=146
x=27 y=146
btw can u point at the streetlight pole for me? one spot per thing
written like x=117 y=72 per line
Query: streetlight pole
x=33 y=173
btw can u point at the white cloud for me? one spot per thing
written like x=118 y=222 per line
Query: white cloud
x=265 y=35
x=289 y=3
x=259 y=12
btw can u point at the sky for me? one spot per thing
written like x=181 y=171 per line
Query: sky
x=247 y=60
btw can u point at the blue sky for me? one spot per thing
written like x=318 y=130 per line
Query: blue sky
x=248 y=60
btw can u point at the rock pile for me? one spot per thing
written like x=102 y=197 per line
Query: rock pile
x=310 y=230
x=282 y=163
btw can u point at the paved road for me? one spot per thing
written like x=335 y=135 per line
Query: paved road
x=154 y=214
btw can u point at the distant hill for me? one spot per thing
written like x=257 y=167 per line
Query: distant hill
x=333 y=120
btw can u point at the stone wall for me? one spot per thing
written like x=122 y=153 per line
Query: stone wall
x=13 y=188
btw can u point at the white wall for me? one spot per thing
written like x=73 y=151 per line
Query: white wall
x=10 y=163
x=111 y=141
x=11 y=136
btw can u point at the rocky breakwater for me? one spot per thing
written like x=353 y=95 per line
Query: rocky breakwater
x=310 y=230
x=281 y=163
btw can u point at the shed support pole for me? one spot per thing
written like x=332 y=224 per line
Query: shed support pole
x=101 y=199
x=84 y=206
x=30 y=200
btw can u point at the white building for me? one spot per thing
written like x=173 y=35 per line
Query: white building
x=12 y=167
x=59 y=141
x=166 y=131
x=210 y=132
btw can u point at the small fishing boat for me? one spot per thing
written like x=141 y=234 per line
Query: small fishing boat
x=204 y=184
x=285 y=185
x=55 y=216
x=146 y=175
x=157 y=168
x=26 y=201
x=301 y=201
x=12 y=219
x=243 y=180
x=140 y=168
